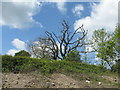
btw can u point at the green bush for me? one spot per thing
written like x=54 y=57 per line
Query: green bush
x=116 y=67
x=73 y=56
x=45 y=66
x=22 y=53
x=13 y=63
x=7 y=62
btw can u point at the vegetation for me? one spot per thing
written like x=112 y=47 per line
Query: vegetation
x=24 y=64
x=48 y=62
x=116 y=39
x=116 y=67
x=73 y=56
x=105 y=45
x=48 y=52
x=22 y=53
x=10 y=63
x=66 y=45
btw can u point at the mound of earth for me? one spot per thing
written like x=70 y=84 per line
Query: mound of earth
x=55 y=80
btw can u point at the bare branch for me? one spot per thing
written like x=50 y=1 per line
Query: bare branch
x=67 y=41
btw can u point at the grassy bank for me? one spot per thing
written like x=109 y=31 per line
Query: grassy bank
x=45 y=66
x=80 y=72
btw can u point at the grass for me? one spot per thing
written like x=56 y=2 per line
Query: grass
x=45 y=66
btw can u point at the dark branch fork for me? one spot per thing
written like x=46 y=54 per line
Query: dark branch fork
x=61 y=45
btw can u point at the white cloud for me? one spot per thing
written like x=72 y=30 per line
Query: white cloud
x=19 y=45
x=19 y=14
x=103 y=15
x=12 y=52
x=61 y=6
x=77 y=10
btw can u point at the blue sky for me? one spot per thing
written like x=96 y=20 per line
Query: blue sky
x=25 y=21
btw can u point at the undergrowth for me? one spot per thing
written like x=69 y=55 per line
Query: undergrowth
x=45 y=66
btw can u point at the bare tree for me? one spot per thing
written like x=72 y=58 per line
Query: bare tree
x=41 y=48
x=59 y=46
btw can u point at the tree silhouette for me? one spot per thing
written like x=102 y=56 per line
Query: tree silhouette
x=57 y=47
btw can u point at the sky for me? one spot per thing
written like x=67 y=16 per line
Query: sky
x=22 y=22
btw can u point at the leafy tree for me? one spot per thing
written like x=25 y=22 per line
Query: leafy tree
x=57 y=47
x=116 y=39
x=73 y=56
x=103 y=43
x=107 y=52
x=22 y=53
x=116 y=67
x=99 y=36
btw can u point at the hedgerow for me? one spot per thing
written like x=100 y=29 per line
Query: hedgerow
x=45 y=66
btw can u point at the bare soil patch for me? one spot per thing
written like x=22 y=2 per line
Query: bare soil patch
x=56 y=80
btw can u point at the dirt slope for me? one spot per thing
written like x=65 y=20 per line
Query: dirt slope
x=56 y=80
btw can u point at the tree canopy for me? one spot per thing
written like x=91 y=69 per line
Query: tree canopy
x=73 y=56
x=105 y=44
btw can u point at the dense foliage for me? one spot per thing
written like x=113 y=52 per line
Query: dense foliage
x=73 y=56
x=10 y=63
x=25 y=64
x=22 y=53
x=116 y=67
x=106 y=46
x=116 y=39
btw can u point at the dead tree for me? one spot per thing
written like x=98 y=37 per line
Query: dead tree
x=59 y=46
x=42 y=48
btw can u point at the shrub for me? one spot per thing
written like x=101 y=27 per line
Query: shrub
x=116 y=67
x=13 y=64
x=23 y=53
x=45 y=66
x=7 y=62
x=73 y=56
